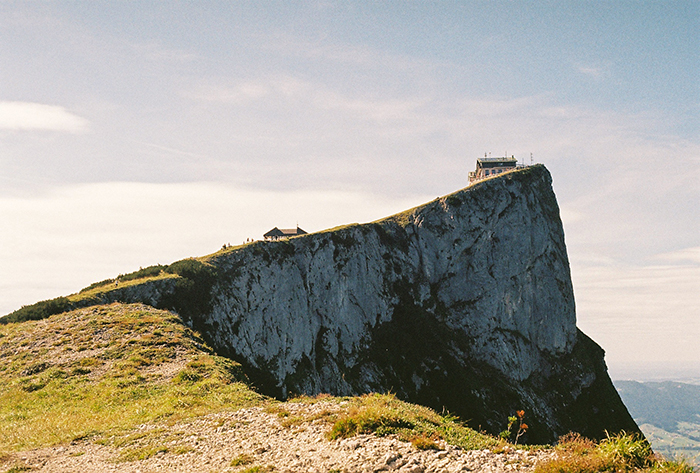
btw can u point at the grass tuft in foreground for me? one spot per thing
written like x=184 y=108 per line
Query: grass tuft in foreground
x=383 y=414
x=620 y=453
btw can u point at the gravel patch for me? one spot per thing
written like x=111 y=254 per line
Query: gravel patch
x=290 y=439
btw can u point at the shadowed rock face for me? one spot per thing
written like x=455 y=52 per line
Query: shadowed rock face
x=464 y=303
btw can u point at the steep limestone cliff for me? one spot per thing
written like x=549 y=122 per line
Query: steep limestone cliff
x=464 y=303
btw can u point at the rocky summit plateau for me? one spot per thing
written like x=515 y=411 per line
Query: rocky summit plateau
x=464 y=304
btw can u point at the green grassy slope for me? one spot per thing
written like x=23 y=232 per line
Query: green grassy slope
x=94 y=370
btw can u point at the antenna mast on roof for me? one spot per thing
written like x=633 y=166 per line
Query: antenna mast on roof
x=531 y=159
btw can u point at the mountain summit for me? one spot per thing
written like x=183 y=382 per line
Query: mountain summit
x=464 y=303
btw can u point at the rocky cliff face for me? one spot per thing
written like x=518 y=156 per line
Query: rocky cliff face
x=487 y=264
x=464 y=303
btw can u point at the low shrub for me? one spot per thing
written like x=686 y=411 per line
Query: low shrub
x=146 y=272
x=95 y=285
x=192 y=294
x=38 y=311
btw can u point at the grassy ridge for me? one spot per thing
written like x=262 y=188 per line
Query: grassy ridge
x=95 y=290
x=111 y=367
x=191 y=294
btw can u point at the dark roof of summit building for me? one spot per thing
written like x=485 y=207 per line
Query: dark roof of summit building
x=496 y=162
x=277 y=233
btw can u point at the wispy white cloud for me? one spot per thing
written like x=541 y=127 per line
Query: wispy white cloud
x=686 y=255
x=170 y=150
x=380 y=110
x=37 y=116
x=236 y=94
x=252 y=90
x=347 y=54
x=590 y=71
x=501 y=107
x=154 y=51
x=315 y=100
x=318 y=117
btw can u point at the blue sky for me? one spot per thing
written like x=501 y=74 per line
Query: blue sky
x=141 y=133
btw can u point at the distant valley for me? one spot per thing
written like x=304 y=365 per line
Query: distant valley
x=668 y=413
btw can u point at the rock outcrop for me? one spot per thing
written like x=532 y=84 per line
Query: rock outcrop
x=464 y=303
